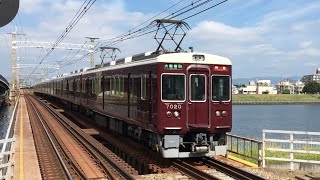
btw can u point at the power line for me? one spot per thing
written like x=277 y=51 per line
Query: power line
x=148 y=29
x=78 y=16
x=205 y=9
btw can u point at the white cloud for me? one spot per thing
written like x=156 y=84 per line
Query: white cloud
x=32 y=6
x=208 y=30
x=305 y=44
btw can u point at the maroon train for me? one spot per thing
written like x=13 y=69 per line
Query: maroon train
x=178 y=103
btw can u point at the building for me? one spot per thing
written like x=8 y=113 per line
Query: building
x=298 y=87
x=258 y=87
x=312 y=78
x=235 y=90
x=285 y=85
x=250 y=88
x=264 y=87
x=294 y=88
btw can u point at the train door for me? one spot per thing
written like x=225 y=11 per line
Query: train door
x=198 y=98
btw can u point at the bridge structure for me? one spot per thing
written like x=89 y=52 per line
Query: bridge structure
x=4 y=85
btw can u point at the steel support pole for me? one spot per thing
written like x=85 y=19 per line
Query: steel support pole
x=13 y=63
x=92 y=51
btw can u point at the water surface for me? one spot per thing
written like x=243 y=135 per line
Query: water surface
x=250 y=120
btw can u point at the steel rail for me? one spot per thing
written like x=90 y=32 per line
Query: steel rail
x=191 y=171
x=230 y=170
x=50 y=139
x=82 y=137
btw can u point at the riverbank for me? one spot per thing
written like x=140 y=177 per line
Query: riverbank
x=272 y=99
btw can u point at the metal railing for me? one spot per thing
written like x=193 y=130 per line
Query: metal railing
x=8 y=148
x=245 y=147
x=287 y=144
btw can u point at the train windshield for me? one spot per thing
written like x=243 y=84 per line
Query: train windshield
x=220 y=88
x=173 y=87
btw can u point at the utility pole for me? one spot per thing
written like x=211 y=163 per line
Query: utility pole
x=17 y=74
x=92 y=51
x=13 y=65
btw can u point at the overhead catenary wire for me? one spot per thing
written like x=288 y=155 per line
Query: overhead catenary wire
x=140 y=32
x=78 y=16
x=149 y=28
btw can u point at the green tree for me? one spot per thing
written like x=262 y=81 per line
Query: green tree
x=311 y=88
x=286 y=91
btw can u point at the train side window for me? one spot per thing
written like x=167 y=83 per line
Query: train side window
x=143 y=86
x=112 y=85
x=107 y=86
x=102 y=87
x=118 y=86
x=131 y=87
x=121 y=86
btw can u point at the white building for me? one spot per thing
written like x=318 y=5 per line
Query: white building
x=258 y=87
x=264 y=87
x=312 y=78
x=235 y=90
x=284 y=85
x=250 y=88
x=298 y=87
x=294 y=88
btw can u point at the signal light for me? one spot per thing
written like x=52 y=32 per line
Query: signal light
x=169 y=114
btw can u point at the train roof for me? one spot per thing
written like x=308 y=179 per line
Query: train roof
x=150 y=58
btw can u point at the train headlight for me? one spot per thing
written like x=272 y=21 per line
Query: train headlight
x=176 y=114
x=218 y=113
x=169 y=114
x=224 y=113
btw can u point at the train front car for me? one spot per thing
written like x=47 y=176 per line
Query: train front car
x=195 y=109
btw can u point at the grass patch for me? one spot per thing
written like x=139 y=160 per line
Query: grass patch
x=276 y=154
x=276 y=97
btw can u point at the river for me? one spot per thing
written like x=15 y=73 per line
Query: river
x=5 y=113
x=250 y=120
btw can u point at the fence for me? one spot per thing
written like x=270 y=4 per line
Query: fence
x=291 y=146
x=6 y=155
x=245 y=147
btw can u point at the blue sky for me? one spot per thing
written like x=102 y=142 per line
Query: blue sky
x=261 y=37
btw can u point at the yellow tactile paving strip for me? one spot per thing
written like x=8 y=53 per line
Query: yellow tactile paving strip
x=26 y=161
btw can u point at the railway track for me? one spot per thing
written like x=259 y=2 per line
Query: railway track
x=48 y=155
x=86 y=158
x=219 y=169
x=230 y=170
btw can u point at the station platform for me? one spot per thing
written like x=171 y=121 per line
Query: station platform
x=26 y=164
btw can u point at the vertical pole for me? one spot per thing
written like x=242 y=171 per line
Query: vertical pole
x=260 y=154
x=12 y=91
x=17 y=74
x=263 y=149
x=92 y=51
x=291 y=153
